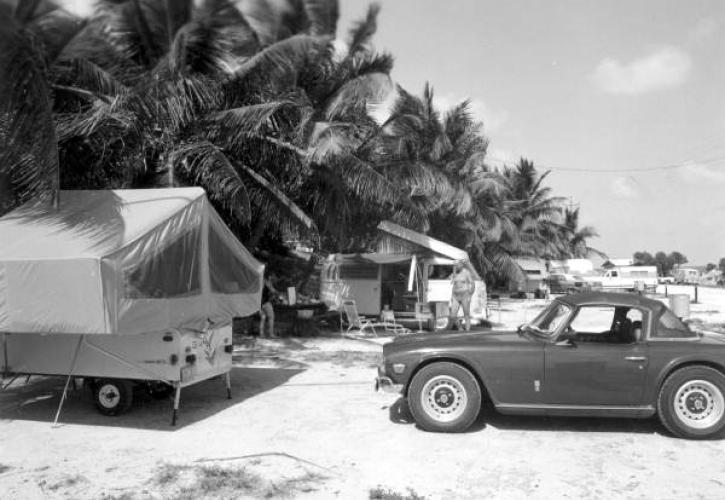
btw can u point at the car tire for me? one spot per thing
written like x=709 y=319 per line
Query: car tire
x=113 y=396
x=444 y=397
x=691 y=403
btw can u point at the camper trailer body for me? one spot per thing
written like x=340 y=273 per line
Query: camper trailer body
x=123 y=288
x=414 y=288
x=173 y=357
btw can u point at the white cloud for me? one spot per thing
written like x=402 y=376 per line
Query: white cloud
x=492 y=119
x=625 y=188
x=695 y=173
x=664 y=68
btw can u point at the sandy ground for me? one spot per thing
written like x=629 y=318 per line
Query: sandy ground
x=304 y=422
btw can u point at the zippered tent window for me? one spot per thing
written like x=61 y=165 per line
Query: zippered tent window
x=227 y=273
x=173 y=271
x=359 y=271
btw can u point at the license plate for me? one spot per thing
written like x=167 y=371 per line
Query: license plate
x=186 y=373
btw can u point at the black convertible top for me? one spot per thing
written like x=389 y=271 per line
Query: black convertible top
x=612 y=299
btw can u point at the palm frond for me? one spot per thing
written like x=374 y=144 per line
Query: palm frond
x=280 y=197
x=280 y=61
x=207 y=165
x=362 y=31
x=356 y=95
x=322 y=16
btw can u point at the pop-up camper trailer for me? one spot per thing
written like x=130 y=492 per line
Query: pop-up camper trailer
x=410 y=273
x=123 y=288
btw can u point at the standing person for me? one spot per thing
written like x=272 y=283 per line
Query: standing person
x=463 y=287
x=266 y=313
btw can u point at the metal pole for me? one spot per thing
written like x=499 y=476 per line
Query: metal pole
x=696 y=294
x=229 y=385
x=177 y=397
x=67 y=382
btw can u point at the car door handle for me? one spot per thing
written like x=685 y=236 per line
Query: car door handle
x=635 y=359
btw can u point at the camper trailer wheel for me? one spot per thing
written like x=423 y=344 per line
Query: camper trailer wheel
x=113 y=396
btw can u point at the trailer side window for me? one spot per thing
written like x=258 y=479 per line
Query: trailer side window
x=227 y=273
x=173 y=271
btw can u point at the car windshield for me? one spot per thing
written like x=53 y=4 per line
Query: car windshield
x=548 y=320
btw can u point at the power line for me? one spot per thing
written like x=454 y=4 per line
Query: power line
x=673 y=166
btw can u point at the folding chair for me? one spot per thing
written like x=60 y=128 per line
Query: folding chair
x=390 y=325
x=357 y=322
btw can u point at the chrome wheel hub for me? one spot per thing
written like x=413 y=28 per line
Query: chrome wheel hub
x=699 y=404
x=444 y=398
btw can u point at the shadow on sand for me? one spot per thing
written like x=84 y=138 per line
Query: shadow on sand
x=38 y=401
x=399 y=413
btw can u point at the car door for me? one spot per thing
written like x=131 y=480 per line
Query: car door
x=597 y=368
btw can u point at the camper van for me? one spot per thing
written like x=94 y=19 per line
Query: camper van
x=626 y=278
x=410 y=274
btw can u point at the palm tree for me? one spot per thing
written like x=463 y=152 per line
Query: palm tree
x=577 y=237
x=33 y=37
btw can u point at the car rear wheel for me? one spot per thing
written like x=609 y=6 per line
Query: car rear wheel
x=691 y=403
x=113 y=396
x=444 y=397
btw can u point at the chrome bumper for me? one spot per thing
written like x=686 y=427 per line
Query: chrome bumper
x=385 y=384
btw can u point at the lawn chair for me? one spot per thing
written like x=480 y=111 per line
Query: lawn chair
x=390 y=325
x=357 y=322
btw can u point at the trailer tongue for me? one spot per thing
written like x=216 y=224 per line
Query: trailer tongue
x=123 y=288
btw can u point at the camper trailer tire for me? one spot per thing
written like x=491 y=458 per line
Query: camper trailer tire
x=113 y=396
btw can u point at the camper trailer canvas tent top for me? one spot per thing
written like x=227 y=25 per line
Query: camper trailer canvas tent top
x=123 y=285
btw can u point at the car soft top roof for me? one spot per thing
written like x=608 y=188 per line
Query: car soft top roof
x=611 y=298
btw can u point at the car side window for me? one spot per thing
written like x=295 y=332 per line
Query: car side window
x=606 y=324
x=593 y=320
x=670 y=326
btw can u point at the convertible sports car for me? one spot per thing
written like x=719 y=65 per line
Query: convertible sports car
x=590 y=354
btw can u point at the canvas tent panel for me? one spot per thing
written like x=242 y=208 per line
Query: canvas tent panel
x=54 y=297
x=4 y=312
x=235 y=275
x=127 y=268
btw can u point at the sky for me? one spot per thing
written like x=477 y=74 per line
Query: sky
x=622 y=101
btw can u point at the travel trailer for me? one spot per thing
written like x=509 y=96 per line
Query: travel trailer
x=123 y=288
x=686 y=275
x=410 y=274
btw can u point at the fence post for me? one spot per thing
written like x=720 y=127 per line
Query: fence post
x=696 y=294
x=666 y=291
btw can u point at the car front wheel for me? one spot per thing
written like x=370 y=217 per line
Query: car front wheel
x=444 y=397
x=691 y=403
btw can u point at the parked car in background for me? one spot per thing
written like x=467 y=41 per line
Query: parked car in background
x=588 y=355
x=567 y=283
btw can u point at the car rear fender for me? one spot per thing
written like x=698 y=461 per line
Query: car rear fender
x=449 y=359
x=679 y=363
